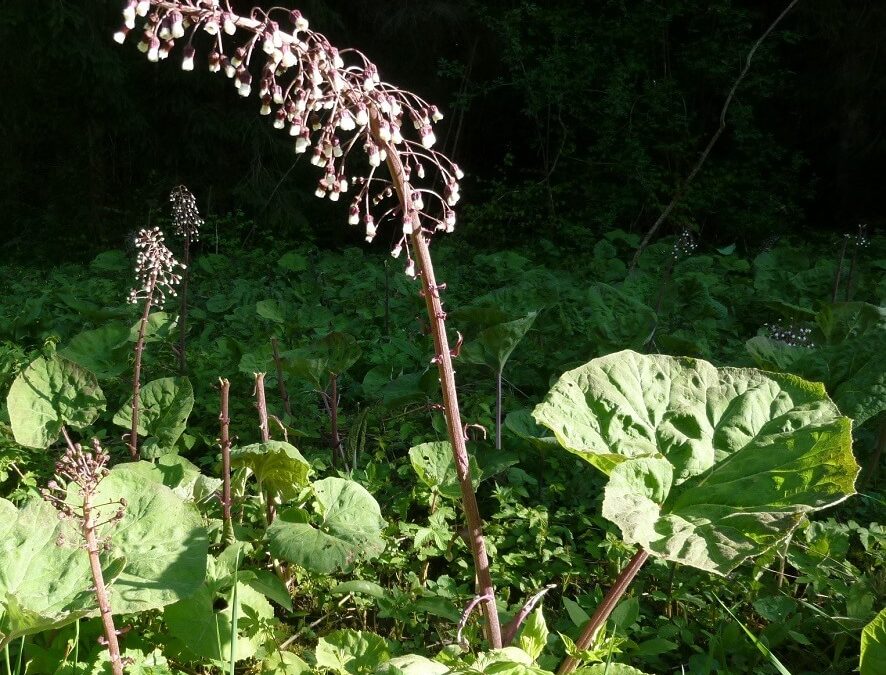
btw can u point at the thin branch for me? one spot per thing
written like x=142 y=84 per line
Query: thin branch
x=710 y=146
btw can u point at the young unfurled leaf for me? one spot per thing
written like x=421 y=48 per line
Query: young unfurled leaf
x=707 y=466
x=48 y=394
x=279 y=467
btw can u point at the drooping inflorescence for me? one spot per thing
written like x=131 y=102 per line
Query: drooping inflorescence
x=185 y=214
x=155 y=267
x=332 y=102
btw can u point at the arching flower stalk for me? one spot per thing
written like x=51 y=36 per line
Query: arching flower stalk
x=156 y=278
x=187 y=223
x=337 y=109
x=86 y=470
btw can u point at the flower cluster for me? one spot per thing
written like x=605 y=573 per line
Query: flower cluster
x=332 y=103
x=791 y=335
x=185 y=215
x=85 y=469
x=155 y=267
x=684 y=245
x=862 y=240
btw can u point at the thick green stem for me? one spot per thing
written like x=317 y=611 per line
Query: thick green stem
x=498 y=410
x=224 y=440
x=183 y=311
x=604 y=609
x=443 y=357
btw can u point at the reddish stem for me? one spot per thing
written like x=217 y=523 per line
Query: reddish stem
x=437 y=318
x=604 y=609
x=265 y=431
x=101 y=592
x=137 y=370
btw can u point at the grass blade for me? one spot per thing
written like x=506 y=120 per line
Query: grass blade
x=763 y=649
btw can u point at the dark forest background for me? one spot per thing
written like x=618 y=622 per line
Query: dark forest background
x=570 y=118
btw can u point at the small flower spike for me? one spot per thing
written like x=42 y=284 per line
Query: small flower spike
x=155 y=267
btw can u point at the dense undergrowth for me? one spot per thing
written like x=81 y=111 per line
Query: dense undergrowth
x=408 y=577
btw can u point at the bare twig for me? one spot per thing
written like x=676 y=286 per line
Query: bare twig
x=713 y=141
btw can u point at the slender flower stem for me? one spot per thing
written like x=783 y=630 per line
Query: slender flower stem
x=839 y=273
x=262 y=406
x=137 y=371
x=604 y=609
x=183 y=311
x=224 y=440
x=101 y=592
x=437 y=318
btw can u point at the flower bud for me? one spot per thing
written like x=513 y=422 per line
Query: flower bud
x=188 y=58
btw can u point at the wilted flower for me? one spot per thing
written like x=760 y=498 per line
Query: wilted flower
x=155 y=267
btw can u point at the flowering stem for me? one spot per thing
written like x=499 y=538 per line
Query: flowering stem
x=183 y=311
x=224 y=440
x=262 y=406
x=101 y=592
x=137 y=370
x=604 y=609
x=498 y=377
x=437 y=318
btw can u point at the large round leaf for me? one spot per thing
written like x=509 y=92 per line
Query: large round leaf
x=351 y=652
x=349 y=529
x=156 y=556
x=708 y=466
x=279 y=467
x=48 y=394
x=493 y=346
x=104 y=351
x=42 y=584
x=614 y=319
x=161 y=537
x=164 y=406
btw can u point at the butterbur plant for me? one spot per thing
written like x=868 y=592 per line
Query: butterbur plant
x=186 y=222
x=335 y=106
x=156 y=279
x=85 y=470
